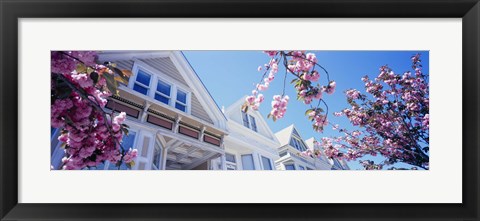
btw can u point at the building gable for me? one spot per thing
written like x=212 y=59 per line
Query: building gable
x=234 y=113
x=170 y=64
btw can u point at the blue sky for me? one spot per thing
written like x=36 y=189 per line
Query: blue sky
x=229 y=75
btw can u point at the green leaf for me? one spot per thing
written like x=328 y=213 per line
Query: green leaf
x=112 y=85
x=89 y=70
x=81 y=68
x=308 y=111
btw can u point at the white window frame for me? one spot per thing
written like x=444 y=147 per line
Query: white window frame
x=234 y=164
x=293 y=165
x=188 y=101
x=253 y=122
x=301 y=146
x=141 y=84
x=269 y=162
x=253 y=161
x=157 y=75
x=154 y=167
x=148 y=160
x=249 y=121
x=245 y=114
x=162 y=94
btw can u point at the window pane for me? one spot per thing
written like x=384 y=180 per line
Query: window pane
x=181 y=96
x=289 y=167
x=156 y=156
x=52 y=131
x=127 y=141
x=301 y=168
x=163 y=88
x=230 y=158
x=266 y=163
x=180 y=107
x=140 y=89
x=253 y=123
x=247 y=161
x=302 y=147
x=292 y=142
x=245 y=119
x=143 y=78
x=161 y=98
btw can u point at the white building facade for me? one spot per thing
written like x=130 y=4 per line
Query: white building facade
x=250 y=145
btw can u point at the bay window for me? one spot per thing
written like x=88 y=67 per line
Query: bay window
x=161 y=87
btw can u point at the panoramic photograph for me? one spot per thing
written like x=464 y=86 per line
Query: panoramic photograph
x=239 y=110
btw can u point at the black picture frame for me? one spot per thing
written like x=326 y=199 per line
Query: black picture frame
x=12 y=10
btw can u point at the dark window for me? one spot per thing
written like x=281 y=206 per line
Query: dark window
x=253 y=123
x=245 y=119
x=266 y=163
x=289 y=167
x=181 y=103
x=163 y=92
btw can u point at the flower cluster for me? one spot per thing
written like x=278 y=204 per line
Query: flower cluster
x=394 y=116
x=315 y=152
x=318 y=118
x=255 y=99
x=370 y=165
x=90 y=135
x=279 y=107
x=130 y=156
x=302 y=66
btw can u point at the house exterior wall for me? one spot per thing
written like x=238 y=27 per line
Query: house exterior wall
x=242 y=140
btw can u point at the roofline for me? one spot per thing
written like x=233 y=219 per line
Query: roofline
x=195 y=72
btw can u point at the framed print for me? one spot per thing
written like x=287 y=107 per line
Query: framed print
x=239 y=110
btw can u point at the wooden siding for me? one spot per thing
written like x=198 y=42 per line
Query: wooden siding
x=166 y=66
x=198 y=110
